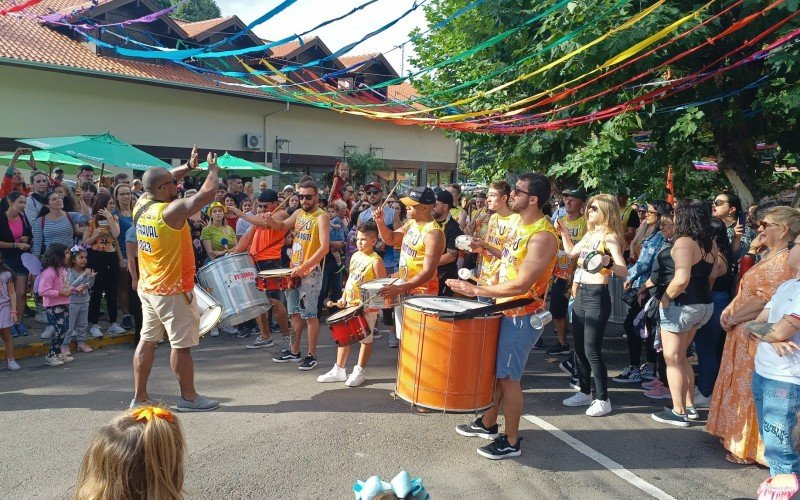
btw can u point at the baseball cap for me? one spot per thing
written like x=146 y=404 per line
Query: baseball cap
x=288 y=186
x=373 y=185
x=578 y=193
x=419 y=196
x=268 y=196
x=445 y=197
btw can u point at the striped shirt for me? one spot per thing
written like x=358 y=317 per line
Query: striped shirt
x=55 y=231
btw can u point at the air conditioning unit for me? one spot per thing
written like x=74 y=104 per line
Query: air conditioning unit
x=253 y=141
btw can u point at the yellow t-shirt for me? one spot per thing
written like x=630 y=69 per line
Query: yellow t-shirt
x=498 y=231
x=306 y=235
x=564 y=265
x=514 y=252
x=166 y=255
x=362 y=270
x=412 y=254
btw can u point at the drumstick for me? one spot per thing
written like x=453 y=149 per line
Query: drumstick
x=281 y=204
x=388 y=195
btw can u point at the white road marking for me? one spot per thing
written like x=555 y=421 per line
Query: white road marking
x=601 y=459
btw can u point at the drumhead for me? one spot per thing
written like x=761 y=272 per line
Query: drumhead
x=275 y=272
x=463 y=242
x=343 y=314
x=593 y=262
x=379 y=283
x=442 y=304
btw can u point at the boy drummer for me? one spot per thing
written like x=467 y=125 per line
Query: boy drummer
x=365 y=265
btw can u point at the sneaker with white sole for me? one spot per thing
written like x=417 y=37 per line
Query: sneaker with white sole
x=214 y=333
x=670 y=417
x=309 y=363
x=66 y=351
x=337 y=374
x=41 y=318
x=599 y=408
x=52 y=360
x=288 y=357
x=95 y=332
x=651 y=384
x=648 y=371
x=12 y=365
x=200 y=403
x=48 y=332
x=66 y=358
x=701 y=401
x=259 y=343
x=692 y=413
x=500 y=448
x=578 y=399
x=477 y=429
x=566 y=366
x=115 y=329
x=574 y=383
x=229 y=329
x=659 y=392
x=356 y=378
x=629 y=375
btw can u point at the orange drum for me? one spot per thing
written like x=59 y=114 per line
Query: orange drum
x=447 y=365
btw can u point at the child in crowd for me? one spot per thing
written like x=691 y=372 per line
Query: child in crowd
x=286 y=251
x=338 y=227
x=8 y=313
x=55 y=292
x=140 y=454
x=81 y=280
x=366 y=265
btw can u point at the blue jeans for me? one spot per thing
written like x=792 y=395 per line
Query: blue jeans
x=708 y=345
x=777 y=404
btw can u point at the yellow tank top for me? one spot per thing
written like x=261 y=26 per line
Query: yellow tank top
x=362 y=270
x=514 y=253
x=412 y=254
x=166 y=256
x=456 y=212
x=565 y=266
x=306 y=235
x=499 y=230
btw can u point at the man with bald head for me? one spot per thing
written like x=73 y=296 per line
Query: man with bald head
x=166 y=278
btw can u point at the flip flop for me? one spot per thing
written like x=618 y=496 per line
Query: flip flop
x=730 y=457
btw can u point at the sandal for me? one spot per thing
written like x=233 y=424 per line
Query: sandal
x=780 y=487
x=730 y=457
x=84 y=348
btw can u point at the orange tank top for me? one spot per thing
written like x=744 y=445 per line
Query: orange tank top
x=166 y=255
x=267 y=243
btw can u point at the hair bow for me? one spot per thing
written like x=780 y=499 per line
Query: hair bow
x=76 y=249
x=147 y=413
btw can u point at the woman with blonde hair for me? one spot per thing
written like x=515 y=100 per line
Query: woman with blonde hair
x=733 y=414
x=140 y=454
x=599 y=255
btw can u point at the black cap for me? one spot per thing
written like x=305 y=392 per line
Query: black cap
x=268 y=196
x=578 y=193
x=419 y=196
x=445 y=197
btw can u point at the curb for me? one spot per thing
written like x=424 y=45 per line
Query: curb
x=42 y=347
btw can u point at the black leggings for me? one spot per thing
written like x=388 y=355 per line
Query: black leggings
x=635 y=341
x=589 y=318
x=106 y=264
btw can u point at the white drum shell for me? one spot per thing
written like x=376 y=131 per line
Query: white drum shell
x=231 y=280
x=210 y=310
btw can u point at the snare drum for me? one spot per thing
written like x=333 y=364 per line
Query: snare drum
x=447 y=365
x=349 y=326
x=275 y=280
x=210 y=310
x=371 y=299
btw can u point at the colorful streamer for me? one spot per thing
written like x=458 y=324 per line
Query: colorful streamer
x=19 y=7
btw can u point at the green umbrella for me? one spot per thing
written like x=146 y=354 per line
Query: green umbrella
x=100 y=149
x=235 y=165
x=48 y=159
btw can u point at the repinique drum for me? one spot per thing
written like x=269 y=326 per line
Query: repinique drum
x=210 y=310
x=463 y=242
x=274 y=280
x=349 y=326
x=447 y=365
x=371 y=299
x=231 y=280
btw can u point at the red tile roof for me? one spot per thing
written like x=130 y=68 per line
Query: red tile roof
x=194 y=29
x=351 y=60
x=288 y=48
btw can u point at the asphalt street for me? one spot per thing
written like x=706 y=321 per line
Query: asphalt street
x=281 y=434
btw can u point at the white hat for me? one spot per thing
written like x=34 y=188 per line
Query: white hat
x=288 y=186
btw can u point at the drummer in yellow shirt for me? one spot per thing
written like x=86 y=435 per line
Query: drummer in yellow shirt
x=365 y=266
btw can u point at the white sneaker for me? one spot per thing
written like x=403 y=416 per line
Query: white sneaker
x=356 y=378
x=336 y=374
x=12 y=365
x=599 y=408
x=95 y=332
x=65 y=358
x=41 y=318
x=229 y=329
x=214 y=332
x=701 y=401
x=578 y=399
x=48 y=332
x=115 y=329
x=52 y=360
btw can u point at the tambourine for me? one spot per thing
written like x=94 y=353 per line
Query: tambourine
x=593 y=262
x=463 y=242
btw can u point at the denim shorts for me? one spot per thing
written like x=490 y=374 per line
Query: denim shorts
x=303 y=299
x=517 y=338
x=679 y=319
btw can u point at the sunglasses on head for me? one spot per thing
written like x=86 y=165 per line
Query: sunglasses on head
x=306 y=196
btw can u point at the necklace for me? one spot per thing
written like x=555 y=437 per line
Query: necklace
x=773 y=254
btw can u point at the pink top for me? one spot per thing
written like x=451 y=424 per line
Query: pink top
x=16 y=228
x=51 y=282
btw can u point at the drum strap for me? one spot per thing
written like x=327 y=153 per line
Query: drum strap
x=142 y=210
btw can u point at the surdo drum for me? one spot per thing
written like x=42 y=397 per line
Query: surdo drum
x=231 y=280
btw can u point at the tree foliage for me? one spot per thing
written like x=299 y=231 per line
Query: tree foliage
x=601 y=155
x=193 y=10
x=363 y=167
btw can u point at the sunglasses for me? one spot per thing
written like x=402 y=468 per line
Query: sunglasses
x=518 y=190
x=766 y=225
x=593 y=208
x=373 y=191
x=173 y=181
x=306 y=196
x=719 y=203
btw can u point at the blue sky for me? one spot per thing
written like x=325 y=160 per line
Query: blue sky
x=306 y=14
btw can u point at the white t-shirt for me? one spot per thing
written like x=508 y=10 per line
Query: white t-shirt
x=768 y=364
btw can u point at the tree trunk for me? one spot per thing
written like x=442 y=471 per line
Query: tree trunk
x=742 y=191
